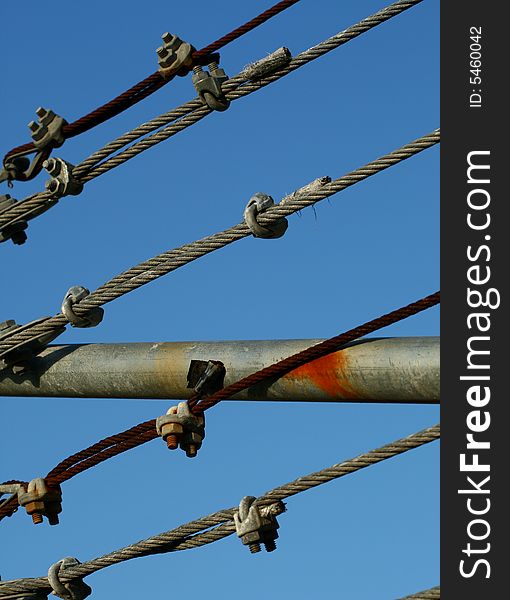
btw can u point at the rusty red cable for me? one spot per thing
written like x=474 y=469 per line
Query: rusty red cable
x=146 y=431
x=154 y=82
x=319 y=350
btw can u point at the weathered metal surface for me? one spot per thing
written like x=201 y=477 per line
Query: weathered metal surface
x=372 y=370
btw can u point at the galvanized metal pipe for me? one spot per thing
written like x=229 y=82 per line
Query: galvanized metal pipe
x=372 y=370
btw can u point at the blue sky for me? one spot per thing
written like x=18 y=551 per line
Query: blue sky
x=366 y=251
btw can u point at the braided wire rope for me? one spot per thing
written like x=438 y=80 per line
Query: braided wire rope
x=430 y=594
x=171 y=260
x=155 y=81
x=191 y=112
x=184 y=537
x=146 y=431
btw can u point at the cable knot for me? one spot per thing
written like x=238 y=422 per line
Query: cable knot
x=74 y=295
x=76 y=589
x=257 y=204
x=208 y=86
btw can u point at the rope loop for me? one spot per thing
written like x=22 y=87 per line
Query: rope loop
x=71 y=590
x=257 y=204
x=74 y=295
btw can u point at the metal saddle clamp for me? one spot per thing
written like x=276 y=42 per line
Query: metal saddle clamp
x=41 y=500
x=14 y=231
x=174 y=56
x=208 y=86
x=258 y=204
x=180 y=427
x=257 y=525
x=47 y=133
x=62 y=182
x=26 y=350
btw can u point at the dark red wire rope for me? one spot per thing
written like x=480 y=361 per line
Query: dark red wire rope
x=146 y=431
x=154 y=82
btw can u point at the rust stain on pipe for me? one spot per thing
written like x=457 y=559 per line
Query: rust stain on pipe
x=328 y=374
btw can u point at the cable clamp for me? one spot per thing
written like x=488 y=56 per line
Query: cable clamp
x=180 y=427
x=39 y=499
x=74 y=295
x=257 y=525
x=208 y=86
x=48 y=131
x=76 y=589
x=14 y=231
x=62 y=182
x=24 y=351
x=257 y=204
x=174 y=56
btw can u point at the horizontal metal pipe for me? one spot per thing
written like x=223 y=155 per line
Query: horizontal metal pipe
x=370 y=370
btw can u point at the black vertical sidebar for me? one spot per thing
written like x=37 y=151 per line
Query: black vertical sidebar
x=475 y=363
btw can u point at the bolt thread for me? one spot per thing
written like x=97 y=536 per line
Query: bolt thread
x=172 y=441
x=191 y=451
x=254 y=548
x=37 y=518
x=197 y=69
x=270 y=546
x=213 y=66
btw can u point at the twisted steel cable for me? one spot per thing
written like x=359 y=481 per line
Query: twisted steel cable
x=185 y=536
x=319 y=350
x=192 y=112
x=167 y=262
x=155 y=81
x=430 y=594
x=238 y=87
x=144 y=432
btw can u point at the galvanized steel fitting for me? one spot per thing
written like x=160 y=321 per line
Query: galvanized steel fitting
x=258 y=204
x=48 y=131
x=62 y=182
x=180 y=427
x=41 y=500
x=174 y=56
x=257 y=525
x=76 y=589
x=208 y=86
x=74 y=295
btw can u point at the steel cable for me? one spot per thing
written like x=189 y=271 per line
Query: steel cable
x=185 y=537
x=155 y=81
x=171 y=260
x=430 y=594
x=192 y=112
x=144 y=432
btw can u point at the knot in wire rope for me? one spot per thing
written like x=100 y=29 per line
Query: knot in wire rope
x=258 y=204
x=75 y=294
x=76 y=589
